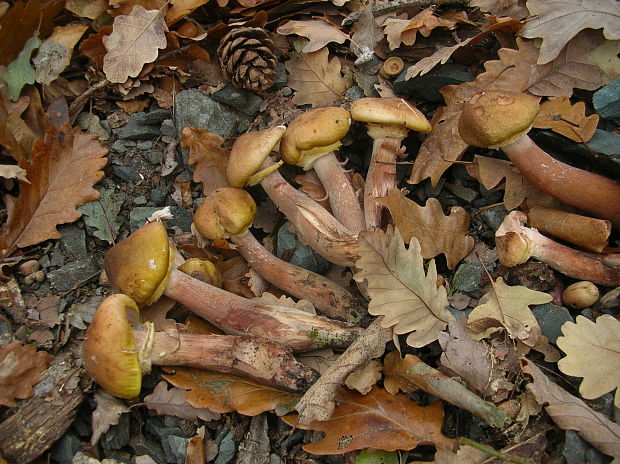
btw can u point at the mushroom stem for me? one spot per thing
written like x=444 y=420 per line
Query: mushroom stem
x=239 y=316
x=260 y=360
x=342 y=198
x=585 y=190
x=328 y=297
x=516 y=243
x=381 y=178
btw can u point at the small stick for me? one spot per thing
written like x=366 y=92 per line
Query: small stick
x=396 y=5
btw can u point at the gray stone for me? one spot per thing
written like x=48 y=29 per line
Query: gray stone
x=196 y=109
x=150 y=448
x=467 y=277
x=119 y=146
x=45 y=261
x=241 y=100
x=178 y=448
x=290 y=249
x=459 y=313
x=81 y=458
x=117 y=435
x=140 y=200
x=355 y=92
x=574 y=449
x=158 y=194
x=82 y=313
x=167 y=128
x=427 y=87
x=287 y=92
x=594 y=457
x=142 y=126
x=66 y=448
x=56 y=257
x=462 y=192
x=281 y=77
x=181 y=217
x=551 y=318
x=153 y=156
x=606 y=101
x=91 y=123
x=153 y=117
x=145 y=145
x=73 y=240
x=125 y=173
x=493 y=217
x=227 y=451
x=72 y=274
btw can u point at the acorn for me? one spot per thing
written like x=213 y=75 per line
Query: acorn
x=580 y=295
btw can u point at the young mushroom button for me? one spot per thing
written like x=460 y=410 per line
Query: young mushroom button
x=497 y=119
x=388 y=121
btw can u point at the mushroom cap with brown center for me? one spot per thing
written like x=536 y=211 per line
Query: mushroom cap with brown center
x=139 y=266
x=224 y=212
x=248 y=153
x=493 y=119
x=391 y=114
x=314 y=134
x=109 y=351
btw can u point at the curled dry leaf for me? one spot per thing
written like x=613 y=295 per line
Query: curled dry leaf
x=135 y=41
x=21 y=367
x=107 y=413
x=172 y=402
x=363 y=379
x=15 y=135
x=404 y=31
x=90 y=9
x=592 y=352
x=179 y=9
x=206 y=152
x=400 y=289
x=436 y=232
x=559 y=115
x=319 y=33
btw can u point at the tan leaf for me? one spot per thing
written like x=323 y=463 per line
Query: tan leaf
x=13 y=172
x=135 y=41
x=15 y=135
x=507 y=307
x=606 y=57
x=21 y=367
x=90 y=9
x=592 y=352
x=206 y=152
x=571 y=413
x=179 y=9
x=173 y=403
x=364 y=379
x=427 y=63
x=400 y=289
x=319 y=33
x=224 y=393
x=513 y=8
x=55 y=53
x=61 y=177
x=133 y=106
x=558 y=21
x=316 y=79
x=311 y=185
x=436 y=232
x=395 y=421
x=404 y=31
x=107 y=413
x=568 y=120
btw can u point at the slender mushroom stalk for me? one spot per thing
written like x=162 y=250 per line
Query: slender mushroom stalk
x=495 y=119
x=118 y=350
x=141 y=266
x=516 y=243
x=249 y=164
x=388 y=120
x=228 y=213
x=309 y=142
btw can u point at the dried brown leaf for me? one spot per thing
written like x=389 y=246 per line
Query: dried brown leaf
x=436 y=232
x=513 y=8
x=107 y=413
x=62 y=175
x=404 y=31
x=316 y=78
x=206 y=152
x=21 y=367
x=319 y=33
x=13 y=172
x=399 y=287
x=311 y=185
x=173 y=403
x=179 y=9
x=15 y=135
x=135 y=40
x=90 y=9
x=559 y=115
x=364 y=379
x=92 y=46
x=55 y=53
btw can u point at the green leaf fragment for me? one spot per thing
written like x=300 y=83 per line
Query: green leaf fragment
x=21 y=72
x=102 y=214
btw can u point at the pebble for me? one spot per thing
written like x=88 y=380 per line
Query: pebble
x=73 y=274
x=551 y=318
x=196 y=109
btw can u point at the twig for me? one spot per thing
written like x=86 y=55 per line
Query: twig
x=492 y=452
x=102 y=84
x=396 y=5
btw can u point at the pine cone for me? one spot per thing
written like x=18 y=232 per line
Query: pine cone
x=247 y=57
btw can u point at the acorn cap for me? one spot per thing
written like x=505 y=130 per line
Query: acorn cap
x=390 y=112
x=248 y=153
x=109 y=351
x=314 y=134
x=493 y=119
x=224 y=212
x=139 y=265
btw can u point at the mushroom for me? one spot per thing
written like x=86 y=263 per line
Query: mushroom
x=141 y=266
x=500 y=119
x=228 y=212
x=118 y=350
x=516 y=243
x=388 y=120
x=249 y=164
x=309 y=142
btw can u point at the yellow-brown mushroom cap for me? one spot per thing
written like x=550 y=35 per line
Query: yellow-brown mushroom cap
x=493 y=119
x=203 y=270
x=224 y=212
x=139 y=266
x=390 y=112
x=248 y=153
x=109 y=351
x=313 y=134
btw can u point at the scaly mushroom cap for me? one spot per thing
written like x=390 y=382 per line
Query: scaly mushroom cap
x=109 y=351
x=493 y=119
x=248 y=153
x=389 y=117
x=224 y=212
x=139 y=265
x=314 y=134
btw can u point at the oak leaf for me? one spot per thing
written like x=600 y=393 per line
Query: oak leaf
x=107 y=413
x=15 y=135
x=20 y=72
x=559 y=115
x=399 y=287
x=55 y=53
x=90 y=9
x=558 y=21
x=173 y=403
x=206 y=152
x=319 y=33
x=404 y=31
x=316 y=78
x=224 y=393
x=21 y=367
x=505 y=306
x=571 y=413
x=592 y=352
x=436 y=232
x=377 y=420
x=179 y=9
x=513 y=8
x=62 y=175
x=363 y=379
x=311 y=185
x=9 y=171
x=135 y=40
